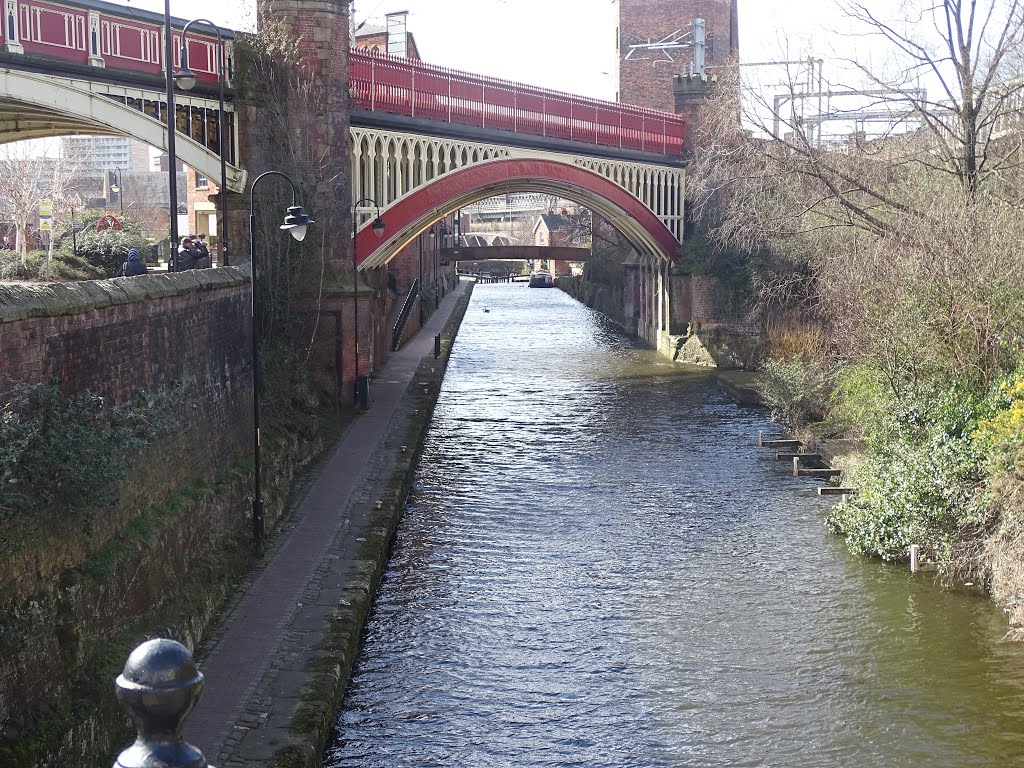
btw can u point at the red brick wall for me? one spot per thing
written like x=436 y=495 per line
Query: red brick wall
x=320 y=126
x=640 y=81
x=185 y=336
x=710 y=301
x=118 y=337
x=378 y=41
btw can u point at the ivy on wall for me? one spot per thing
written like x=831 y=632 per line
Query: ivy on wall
x=72 y=454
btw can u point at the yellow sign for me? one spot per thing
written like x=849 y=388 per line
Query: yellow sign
x=45 y=209
x=44 y=225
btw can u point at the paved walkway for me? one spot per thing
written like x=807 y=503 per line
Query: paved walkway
x=250 y=635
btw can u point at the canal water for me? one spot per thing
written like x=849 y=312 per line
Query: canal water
x=598 y=567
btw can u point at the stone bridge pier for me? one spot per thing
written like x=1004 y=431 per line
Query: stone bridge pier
x=304 y=132
x=656 y=300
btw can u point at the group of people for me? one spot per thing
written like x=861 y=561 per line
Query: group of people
x=192 y=253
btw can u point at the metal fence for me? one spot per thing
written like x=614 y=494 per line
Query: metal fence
x=400 y=86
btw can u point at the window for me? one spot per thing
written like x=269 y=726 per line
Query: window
x=202 y=182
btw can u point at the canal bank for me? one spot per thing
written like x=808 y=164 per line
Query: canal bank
x=278 y=665
x=598 y=566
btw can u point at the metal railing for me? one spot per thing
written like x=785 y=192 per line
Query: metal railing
x=403 y=316
x=400 y=86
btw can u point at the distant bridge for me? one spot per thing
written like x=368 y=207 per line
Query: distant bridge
x=514 y=253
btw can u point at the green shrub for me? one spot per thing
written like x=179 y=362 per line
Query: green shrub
x=11 y=267
x=921 y=482
x=861 y=401
x=794 y=391
x=1000 y=433
x=107 y=250
x=104 y=251
x=65 y=266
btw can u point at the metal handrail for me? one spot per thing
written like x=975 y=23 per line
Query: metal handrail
x=403 y=316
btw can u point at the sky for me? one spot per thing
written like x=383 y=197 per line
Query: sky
x=566 y=45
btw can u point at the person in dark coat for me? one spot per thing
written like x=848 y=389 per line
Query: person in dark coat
x=186 y=258
x=134 y=266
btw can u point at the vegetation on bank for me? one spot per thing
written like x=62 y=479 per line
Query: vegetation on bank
x=889 y=270
x=89 y=254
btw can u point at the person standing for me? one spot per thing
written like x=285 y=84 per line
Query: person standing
x=202 y=252
x=186 y=258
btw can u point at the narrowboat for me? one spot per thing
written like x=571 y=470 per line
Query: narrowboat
x=541 y=280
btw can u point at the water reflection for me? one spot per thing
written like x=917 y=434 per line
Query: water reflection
x=597 y=567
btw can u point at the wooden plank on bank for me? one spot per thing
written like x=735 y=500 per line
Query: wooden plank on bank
x=835 y=490
x=819 y=472
x=780 y=443
x=788 y=455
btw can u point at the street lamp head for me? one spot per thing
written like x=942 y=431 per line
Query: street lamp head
x=378 y=227
x=296 y=222
x=185 y=78
x=115 y=188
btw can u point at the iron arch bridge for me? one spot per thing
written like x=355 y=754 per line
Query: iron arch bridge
x=414 y=212
x=89 y=67
x=427 y=141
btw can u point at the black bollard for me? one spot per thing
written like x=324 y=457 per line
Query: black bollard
x=437 y=346
x=158 y=688
x=363 y=392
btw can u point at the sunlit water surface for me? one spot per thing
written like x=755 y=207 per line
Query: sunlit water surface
x=598 y=567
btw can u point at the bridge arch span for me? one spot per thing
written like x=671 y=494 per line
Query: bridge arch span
x=415 y=212
x=33 y=105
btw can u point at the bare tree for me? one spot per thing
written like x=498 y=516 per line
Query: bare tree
x=26 y=179
x=899 y=241
x=969 y=134
x=968 y=49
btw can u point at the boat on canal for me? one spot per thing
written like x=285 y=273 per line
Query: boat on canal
x=541 y=280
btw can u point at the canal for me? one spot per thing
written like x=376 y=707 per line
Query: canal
x=598 y=567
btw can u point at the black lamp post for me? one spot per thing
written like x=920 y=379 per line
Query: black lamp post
x=295 y=222
x=378 y=229
x=186 y=80
x=171 y=120
x=419 y=243
x=118 y=187
x=437 y=257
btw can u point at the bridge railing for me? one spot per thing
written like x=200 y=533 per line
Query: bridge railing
x=98 y=34
x=394 y=85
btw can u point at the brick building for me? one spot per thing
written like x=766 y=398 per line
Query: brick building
x=555 y=230
x=202 y=211
x=645 y=75
x=391 y=37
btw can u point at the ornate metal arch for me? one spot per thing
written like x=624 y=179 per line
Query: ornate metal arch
x=388 y=177
x=55 y=106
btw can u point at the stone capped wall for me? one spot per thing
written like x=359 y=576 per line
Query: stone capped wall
x=184 y=336
x=79 y=588
x=121 y=336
